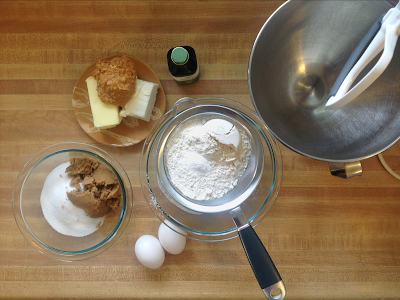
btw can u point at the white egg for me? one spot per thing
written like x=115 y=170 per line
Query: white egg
x=149 y=251
x=170 y=240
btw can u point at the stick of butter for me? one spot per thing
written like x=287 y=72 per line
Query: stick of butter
x=142 y=102
x=104 y=115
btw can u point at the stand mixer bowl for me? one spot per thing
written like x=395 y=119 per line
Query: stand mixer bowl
x=295 y=60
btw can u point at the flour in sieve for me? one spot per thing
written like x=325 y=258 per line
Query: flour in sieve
x=201 y=167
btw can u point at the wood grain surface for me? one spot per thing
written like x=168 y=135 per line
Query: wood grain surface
x=330 y=238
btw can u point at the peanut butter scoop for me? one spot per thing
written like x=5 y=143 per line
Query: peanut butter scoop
x=97 y=187
x=116 y=80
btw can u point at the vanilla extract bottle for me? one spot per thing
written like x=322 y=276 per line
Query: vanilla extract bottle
x=182 y=64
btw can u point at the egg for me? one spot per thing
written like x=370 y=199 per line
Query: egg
x=149 y=251
x=170 y=240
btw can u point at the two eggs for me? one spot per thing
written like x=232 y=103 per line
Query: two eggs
x=150 y=251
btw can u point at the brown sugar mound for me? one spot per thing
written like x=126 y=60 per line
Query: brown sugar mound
x=116 y=80
x=97 y=187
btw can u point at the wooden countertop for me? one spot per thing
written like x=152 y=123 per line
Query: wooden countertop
x=330 y=238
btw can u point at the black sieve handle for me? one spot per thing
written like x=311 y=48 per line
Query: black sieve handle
x=263 y=267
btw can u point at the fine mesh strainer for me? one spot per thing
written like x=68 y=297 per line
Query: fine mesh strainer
x=234 y=197
x=236 y=212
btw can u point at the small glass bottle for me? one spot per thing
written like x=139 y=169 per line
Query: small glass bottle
x=182 y=64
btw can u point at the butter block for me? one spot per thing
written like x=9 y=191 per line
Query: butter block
x=104 y=115
x=142 y=102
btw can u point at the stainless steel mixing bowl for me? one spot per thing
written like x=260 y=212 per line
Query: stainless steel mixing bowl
x=294 y=63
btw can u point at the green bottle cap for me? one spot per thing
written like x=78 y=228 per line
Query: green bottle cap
x=179 y=55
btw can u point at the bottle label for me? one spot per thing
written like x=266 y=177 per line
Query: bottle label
x=188 y=77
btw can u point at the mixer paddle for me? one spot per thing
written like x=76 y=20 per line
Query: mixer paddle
x=382 y=36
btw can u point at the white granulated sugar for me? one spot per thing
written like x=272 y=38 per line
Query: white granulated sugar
x=58 y=210
x=203 y=166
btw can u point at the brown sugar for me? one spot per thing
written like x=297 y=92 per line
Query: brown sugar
x=97 y=187
x=116 y=80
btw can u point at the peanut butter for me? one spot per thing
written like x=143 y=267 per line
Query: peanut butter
x=116 y=80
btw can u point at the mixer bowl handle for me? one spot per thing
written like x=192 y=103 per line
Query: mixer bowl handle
x=345 y=169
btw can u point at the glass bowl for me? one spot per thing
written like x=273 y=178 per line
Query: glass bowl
x=34 y=226
x=255 y=192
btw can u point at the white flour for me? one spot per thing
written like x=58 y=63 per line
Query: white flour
x=200 y=166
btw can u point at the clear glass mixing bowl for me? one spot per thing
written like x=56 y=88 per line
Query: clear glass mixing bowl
x=28 y=211
x=255 y=192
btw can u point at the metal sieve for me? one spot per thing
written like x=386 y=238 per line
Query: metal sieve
x=247 y=182
x=230 y=215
